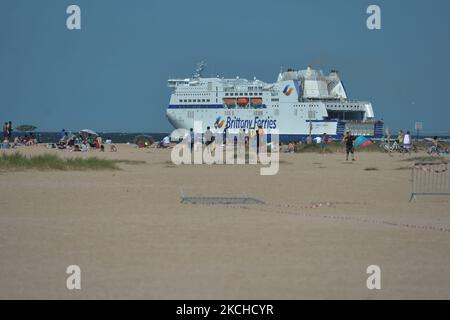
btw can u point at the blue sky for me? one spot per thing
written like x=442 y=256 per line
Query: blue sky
x=111 y=75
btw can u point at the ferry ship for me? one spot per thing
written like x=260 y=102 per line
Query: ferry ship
x=300 y=103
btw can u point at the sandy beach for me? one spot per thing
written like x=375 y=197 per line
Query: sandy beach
x=323 y=223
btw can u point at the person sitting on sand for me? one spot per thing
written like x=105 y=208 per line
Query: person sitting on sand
x=33 y=138
x=5 y=144
x=90 y=141
x=29 y=142
x=84 y=147
x=65 y=138
x=348 y=141
x=164 y=143
x=291 y=147
x=71 y=143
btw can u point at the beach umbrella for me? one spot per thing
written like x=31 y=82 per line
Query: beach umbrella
x=87 y=132
x=142 y=139
x=362 y=142
x=25 y=127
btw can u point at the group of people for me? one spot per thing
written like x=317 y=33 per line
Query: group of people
x=260 y=141
x=19 y=140
x=209 y=138
x=82 y=143
x=26 y=140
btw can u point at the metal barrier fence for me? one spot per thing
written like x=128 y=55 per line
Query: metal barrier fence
x=430 y=178
x=218 y=200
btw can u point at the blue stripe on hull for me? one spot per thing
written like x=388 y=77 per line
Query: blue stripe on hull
x=196 y=106
x=302 y=137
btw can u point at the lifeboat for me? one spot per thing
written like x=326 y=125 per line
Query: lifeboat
x=242 y=101
x=229 y=102
x=256 y=102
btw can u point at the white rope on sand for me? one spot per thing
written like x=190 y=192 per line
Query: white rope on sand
x=335 y=217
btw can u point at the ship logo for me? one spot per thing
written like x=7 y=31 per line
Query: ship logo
x=219 y=123
x=287 y=90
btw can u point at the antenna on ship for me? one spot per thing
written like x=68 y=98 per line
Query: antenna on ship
x=200 y=67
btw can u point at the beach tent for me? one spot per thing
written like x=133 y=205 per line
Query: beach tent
x=88 y=132
x=362 y=142
x=25 y=127
x=144 y=140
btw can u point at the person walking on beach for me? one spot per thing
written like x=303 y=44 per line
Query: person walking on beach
x=246 y=138
x=191 y=138
x=208 y=137
x=349 y=148
x=241 y=143
x=400 y=137
x=260 y=140
x=407 y=142
x=323 y=142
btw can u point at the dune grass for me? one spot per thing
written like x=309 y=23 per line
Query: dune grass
x=126 y=161
x=333 y=147
x=18 y=161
